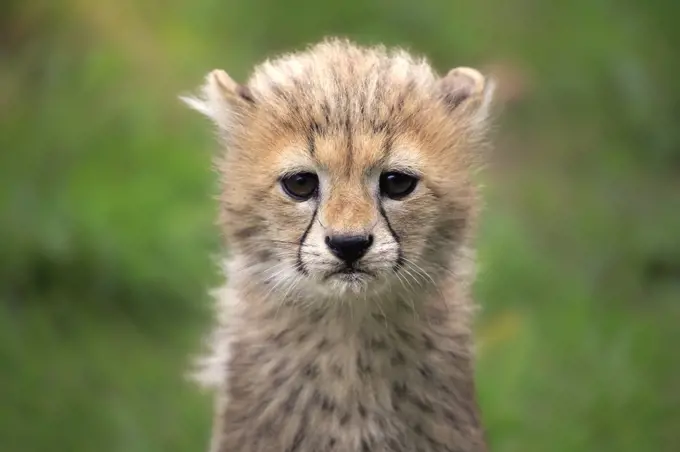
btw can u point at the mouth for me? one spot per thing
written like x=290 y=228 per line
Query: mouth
x=350 y=274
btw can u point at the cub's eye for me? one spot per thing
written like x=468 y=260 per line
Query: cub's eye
x=300 y=186
x=397 y=185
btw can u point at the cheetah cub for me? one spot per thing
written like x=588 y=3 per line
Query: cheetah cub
x=348 y=202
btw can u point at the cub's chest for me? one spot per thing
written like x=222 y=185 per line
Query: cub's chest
x=375 y=390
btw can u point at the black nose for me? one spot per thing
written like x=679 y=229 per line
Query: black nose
x=349 y=248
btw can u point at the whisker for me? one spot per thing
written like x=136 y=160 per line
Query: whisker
x=409 y=292
x=278 y=282
x=415 y=267
x=411 y=275
x=407 y=273
x=419 y=269
x=292 y=285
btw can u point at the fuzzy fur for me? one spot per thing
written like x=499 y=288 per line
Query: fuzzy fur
x=302 y=361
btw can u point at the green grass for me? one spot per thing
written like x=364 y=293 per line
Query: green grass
x=78 y=382
x=566 y=364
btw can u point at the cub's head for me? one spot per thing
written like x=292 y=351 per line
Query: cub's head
x=347 y=170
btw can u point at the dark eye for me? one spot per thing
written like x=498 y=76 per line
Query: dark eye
x=397 y=185
x=300 y=186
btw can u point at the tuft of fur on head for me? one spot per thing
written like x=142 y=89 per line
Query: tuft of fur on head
x=348 y=115
x=220 y=98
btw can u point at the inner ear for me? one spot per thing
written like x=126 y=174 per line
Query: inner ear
x=468 y=94
x=228 y=88
x=461 y=85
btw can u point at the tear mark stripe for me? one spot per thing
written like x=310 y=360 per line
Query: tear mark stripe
x=395 y=236
x=299 y=264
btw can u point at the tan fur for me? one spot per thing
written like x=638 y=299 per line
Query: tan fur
x=303 y=361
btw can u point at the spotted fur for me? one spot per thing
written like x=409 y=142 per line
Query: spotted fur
x=307 y=360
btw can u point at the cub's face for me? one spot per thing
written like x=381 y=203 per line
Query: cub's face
x=335 y=191
x=348 y=213
x=337 y=213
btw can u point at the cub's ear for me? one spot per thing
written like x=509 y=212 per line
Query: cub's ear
x=468 y=94
x=221 y=99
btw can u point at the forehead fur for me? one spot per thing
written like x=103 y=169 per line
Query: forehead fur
x=337 y=77
x=337 y=88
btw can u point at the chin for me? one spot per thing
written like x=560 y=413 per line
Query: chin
x=354 y=283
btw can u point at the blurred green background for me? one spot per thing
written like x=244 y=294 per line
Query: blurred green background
x=107 y=237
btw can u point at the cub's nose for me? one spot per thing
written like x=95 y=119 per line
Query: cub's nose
x=349 y=248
